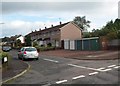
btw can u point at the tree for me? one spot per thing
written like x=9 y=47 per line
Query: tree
x=27 y=40
x=81 y=22
x=111 y=30
x=35 y=44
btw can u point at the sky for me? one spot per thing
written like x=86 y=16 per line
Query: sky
x=25 y=16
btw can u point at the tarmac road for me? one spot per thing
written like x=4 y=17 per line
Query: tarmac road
x=56 y=70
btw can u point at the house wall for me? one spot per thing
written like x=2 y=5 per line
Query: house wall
x=21 y=38
x=71 y=32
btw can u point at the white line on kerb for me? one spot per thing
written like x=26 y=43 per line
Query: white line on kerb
x=117 y=67
x=51 y=60
x=84 y=67
x=112 y=66
x=81 y=76
x=93 y=73
x=58 y=82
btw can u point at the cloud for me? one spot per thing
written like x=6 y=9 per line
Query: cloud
x=22 y=17
x=13 y=7
x=24 y=27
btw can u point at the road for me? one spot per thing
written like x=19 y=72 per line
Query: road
x=56 y=70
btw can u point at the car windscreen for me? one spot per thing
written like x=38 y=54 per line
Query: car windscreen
x=30 y=49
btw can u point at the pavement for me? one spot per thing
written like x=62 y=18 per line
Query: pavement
x=83 y=55
x=17 y=67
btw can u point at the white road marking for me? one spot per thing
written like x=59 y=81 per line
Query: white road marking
x=58 y=82
x=81 y=76
x=84 y=67
x=106 y=70
x=93 y=73
x=117 y=67
x=51 y=60
x=101 y=68
x=112 y=66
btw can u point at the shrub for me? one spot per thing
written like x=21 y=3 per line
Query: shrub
x=45 y=48
x=49 y=45
x=4 y=54
x=43 y=45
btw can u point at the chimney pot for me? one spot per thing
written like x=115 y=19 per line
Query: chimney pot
x=52 y=25
x=60 y=22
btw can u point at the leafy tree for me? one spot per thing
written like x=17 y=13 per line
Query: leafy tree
x=86 y=35
x=27 y=40
x=35 y=44
x=111 y=30
x=81 y=22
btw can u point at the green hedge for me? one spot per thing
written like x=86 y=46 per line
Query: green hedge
x=45 y=48
x=4 y=54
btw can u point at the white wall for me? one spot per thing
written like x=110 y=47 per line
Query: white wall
x=21 y=38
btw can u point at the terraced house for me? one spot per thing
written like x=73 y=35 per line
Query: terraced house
x=56 y=34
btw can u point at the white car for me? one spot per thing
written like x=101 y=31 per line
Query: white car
x=28 y=53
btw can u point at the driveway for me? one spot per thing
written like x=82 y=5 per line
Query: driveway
x=56 y=70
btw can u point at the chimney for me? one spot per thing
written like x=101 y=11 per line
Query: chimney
x=40 y=29
x=35 y=30
x=60 y=22
x=52 y=25
x=45 y=27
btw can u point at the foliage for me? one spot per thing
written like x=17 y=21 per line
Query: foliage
x=49 y=45
x=28 y=40
x=43 y=48
x=86 y=34
x=111 y=30
x=81 y=22
x=4 y=54
x=35 y=44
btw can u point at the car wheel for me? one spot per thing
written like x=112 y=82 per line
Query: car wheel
x=23 y=58
x=19 y=57
x=37 y=58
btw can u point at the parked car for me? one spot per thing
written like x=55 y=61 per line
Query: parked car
x=6 y=48
x=28 y=53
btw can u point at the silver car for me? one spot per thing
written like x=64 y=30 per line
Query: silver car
x=28 y=53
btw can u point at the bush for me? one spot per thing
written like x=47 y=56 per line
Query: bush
x=49 y=45
x=45 y=48
x=4 y=54
x=35 y=44
x=5 y=66
x=42 y=45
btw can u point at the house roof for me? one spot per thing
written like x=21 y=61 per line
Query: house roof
x=48 y=29
x=52 y=28
x=76 y=25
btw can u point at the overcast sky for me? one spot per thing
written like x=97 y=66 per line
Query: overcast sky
x=23 y=17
